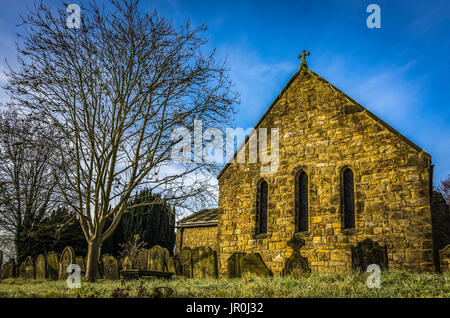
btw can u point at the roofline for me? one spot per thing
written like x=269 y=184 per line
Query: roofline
x=197 y=224
x=262 y=118
x=369 y=113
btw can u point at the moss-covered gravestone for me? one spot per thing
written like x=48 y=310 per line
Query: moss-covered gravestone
x=186 y=262
x=52 y=265
x=79 y=260
x=142 y=259
x=444 y=258
x=67 y=258
x=40 y=266
x=253 y=264
x=9 y=270
x=369 y=252
x=110 y=267
x=234 y=265
x=157 y=259
x=204 y=262
x=296 y=265
x=127 y=264
x=171 y=265
x=177 y=264
x=26 y=269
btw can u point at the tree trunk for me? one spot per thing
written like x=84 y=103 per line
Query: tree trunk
x=92 y=269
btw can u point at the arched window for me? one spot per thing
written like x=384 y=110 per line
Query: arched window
x=349 y=199
x=262 y=205
x=301 y=202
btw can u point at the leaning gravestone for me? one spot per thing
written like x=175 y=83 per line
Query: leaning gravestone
x=234 y=265
x=40 y=267
x=9 y=270
x=204 y=262
x=52 y=265
x=186 y=262
x=369 y=252
x=110 y=267
x=296 y=265
x=142 y=259
x=444 y=258
x=253 y=264
x=26 y=269
x=157 y=259
x=67 y=258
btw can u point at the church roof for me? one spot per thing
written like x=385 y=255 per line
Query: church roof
x=206 y=217
x=356 y=104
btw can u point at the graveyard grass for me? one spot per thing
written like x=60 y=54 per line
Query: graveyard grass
x=393 y=284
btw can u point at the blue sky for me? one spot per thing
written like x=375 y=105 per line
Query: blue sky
x=399 y=72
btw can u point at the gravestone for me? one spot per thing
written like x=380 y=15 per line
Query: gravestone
x=67 y=257
x=40 y=267
x=444 y=259
x=177 y=264
x=1 y=259
x=171 y=265
x=127 y=264
x=110 y=267
x=157 y=259
x=369 y=252
x=142 y=259
x=79 y=260
x=186 y=262
x=296 y=265
x=26 y=269
x=52 y=265
x=234 y=265
x=9 y=270
x=204 y=262
x=253 y=264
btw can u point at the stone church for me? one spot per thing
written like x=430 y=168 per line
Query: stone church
x=344 y=176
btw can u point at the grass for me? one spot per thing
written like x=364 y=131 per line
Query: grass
x=393 y=284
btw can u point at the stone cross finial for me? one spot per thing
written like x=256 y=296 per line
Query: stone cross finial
x=302 y=56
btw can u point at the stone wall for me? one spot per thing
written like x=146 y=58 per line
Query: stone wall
x=322 y=131
x=195 y=237
x=440 y=215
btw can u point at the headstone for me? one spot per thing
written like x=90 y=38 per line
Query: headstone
x=79 y=260
x=142 y=259
x=369 y=252
x=52 y=265
x=110 y=267
x=177 y=264
x=127 y=264
x=171 y=265
x=234 y=265
x=253 y=264
x=157 y=259
x=26 y=269
x=296 y=265
x=1 y=259
x=204 y=262
x=444 y=258
x=9 y=270
x=186 y=262
x=67 y=257
x=40 y=267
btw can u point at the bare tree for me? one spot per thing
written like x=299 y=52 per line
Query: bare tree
x=116 y=88
x=444 y=188
x=28 y=185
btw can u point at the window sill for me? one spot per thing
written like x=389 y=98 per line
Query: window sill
x=302 y=234
x=349 y=231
